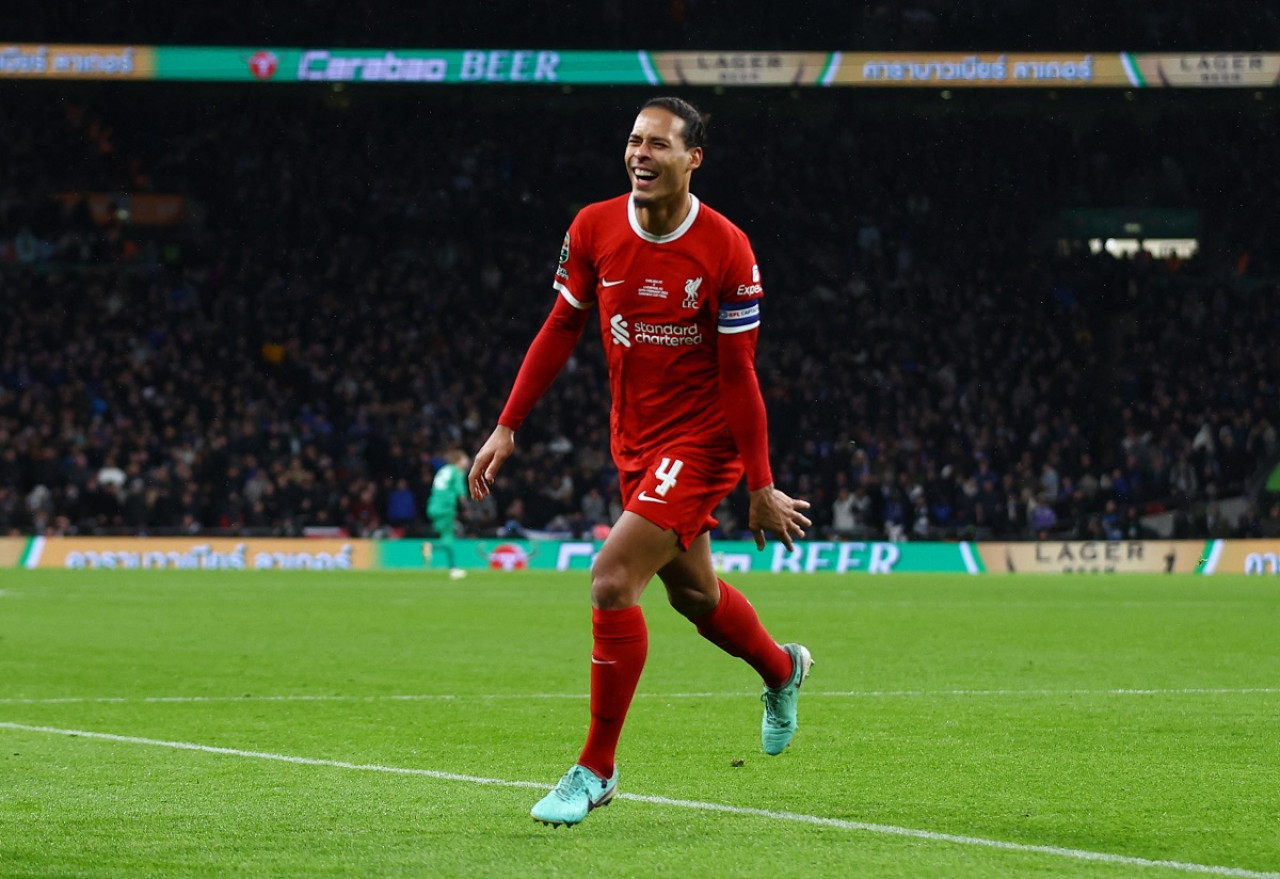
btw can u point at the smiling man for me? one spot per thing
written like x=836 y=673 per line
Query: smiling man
x=678 y=290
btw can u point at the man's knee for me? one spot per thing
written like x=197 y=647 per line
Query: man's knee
x=612 y=587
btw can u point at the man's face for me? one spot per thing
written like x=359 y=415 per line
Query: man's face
x=658 y=162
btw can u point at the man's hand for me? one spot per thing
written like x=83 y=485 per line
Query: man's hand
x=771 y=510
x=489 y=460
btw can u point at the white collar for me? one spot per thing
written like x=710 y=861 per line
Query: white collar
x=694 y=204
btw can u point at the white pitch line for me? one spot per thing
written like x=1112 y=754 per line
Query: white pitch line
x=794 y=817
x=1128 y=691
x=431 y=697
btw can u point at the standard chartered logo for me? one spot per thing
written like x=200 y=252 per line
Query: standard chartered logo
x=621 y=335
x=668 y=335
x=674 y=335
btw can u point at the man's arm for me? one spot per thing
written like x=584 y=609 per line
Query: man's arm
x=744 y=406
x=547 y=355
x=744 y=410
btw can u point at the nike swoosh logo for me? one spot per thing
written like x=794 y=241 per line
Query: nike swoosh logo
x=645 y=496
x=612 y=283
x=595 y=661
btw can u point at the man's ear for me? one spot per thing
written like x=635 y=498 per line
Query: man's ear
x=695 y=158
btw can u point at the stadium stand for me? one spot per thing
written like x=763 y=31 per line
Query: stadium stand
x=354 y=275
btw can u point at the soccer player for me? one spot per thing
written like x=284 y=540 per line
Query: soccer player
x=447 y=488
x=678 y=291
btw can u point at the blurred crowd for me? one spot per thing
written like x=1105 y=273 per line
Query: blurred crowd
x=356 y=277
x=960 y=25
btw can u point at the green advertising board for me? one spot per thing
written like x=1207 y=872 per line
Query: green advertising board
x=848 y=557
x=533 y=66
x=412 y=66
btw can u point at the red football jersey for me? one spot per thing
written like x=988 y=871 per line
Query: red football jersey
x=663 y=303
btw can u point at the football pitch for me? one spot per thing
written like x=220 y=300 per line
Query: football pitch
x=385 y=724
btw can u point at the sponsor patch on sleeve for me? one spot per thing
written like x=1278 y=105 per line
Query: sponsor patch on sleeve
x=738 y=317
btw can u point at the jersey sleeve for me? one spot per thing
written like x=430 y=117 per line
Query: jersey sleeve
x=741 y=291
x=744 y=409
x=547 y=355
x=738 y=320
x=576 y=272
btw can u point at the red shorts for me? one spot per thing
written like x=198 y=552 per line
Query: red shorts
x=679 y=488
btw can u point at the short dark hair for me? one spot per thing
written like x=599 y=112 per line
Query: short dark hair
x=695 y=124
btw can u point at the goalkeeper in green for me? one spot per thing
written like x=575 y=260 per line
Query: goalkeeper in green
x=447 y=488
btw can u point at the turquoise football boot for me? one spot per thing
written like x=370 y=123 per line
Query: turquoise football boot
x=779 y=723
x=579 y=791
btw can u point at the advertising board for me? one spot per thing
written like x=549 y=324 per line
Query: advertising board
x=1198 y=557
x=984 y=69
x=1205 y=70
x=12 y=550
x=1095 y=556
x=195 y=553
x=808 y=557
x=1253 y=557
x=535 y=66
x=66 y=61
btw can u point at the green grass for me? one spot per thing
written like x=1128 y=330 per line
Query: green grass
x=979 y=710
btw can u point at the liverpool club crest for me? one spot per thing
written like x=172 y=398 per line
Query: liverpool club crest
x=691 y=292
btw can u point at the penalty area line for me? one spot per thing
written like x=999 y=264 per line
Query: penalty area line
x=769 y=814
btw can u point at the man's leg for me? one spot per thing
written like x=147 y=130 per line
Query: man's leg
x=633 y=552
x=725 y=618
x=446 y=527
x=443 y=526
x=722 y=614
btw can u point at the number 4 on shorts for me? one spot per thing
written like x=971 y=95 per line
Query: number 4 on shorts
x=666 y=473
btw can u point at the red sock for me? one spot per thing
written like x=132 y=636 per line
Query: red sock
x=734 y=627
x=617 y=658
